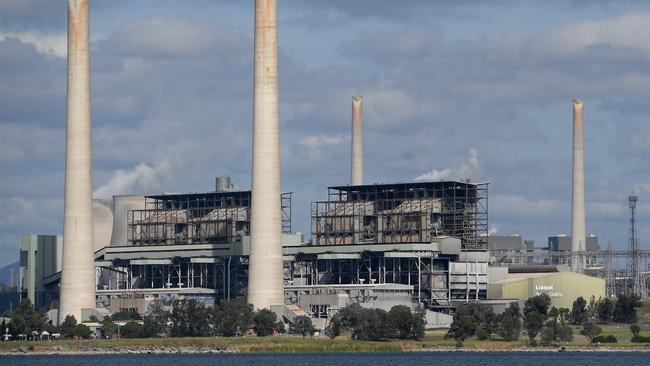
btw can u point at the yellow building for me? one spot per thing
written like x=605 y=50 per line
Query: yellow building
x=562 y=287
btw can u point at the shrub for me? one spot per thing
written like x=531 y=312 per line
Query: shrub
x=132 y=330
x=82 y=331
x=482 y=333
x=640 y=339
x=564 y=333
x=605 y=339
x=547 y=336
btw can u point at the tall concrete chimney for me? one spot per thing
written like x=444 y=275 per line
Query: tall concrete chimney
x=578 y=235
x=265 y=274
x=357 y=141
x=78 y=264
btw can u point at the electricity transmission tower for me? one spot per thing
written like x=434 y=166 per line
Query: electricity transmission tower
x=610 y=274
x=636 y=272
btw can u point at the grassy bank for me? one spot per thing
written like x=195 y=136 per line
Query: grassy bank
x=289 y=344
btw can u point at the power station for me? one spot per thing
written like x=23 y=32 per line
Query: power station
x=421 y=244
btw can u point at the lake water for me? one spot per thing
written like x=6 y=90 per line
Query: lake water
x=345 y=359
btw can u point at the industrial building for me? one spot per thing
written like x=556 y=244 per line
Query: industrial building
x=416 y=243
x=558 y=282
x=40 y=269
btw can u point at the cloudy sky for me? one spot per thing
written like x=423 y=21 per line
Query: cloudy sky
x=454 y=89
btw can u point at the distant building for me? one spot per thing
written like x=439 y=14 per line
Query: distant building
x=560 y=247
x=507 y=250
x=40 y=268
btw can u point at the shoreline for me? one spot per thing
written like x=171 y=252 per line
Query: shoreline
x=254 y=346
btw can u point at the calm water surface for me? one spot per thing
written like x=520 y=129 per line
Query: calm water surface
x=344 y=359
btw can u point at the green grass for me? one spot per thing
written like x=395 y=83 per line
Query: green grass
x=292 y=344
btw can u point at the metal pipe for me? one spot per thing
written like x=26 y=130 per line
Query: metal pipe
x=78 y=265
x=578 y=232
x=357 y=140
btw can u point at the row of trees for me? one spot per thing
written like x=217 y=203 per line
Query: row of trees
x=603 y=311
x=539 y=318
x=195 y=319
x=377 y=324
x=28 y=320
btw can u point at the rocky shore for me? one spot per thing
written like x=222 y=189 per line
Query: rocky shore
x=99 y=349
x=113 y=350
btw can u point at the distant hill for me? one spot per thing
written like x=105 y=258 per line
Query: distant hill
x=5 y=272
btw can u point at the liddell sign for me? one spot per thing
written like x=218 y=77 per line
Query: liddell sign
x=547 y=289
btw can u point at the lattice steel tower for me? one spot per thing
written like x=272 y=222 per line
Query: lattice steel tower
x=636 y=273
x=610 y=274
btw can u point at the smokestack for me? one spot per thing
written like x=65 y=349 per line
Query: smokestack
x=578 y=235
x=357 y=141
x=265 y=274
x=223 y=184
x=78 y=264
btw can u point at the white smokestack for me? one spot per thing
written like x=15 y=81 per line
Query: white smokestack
x=265 y=274
x=578 y=235
x=78 y=264
x=357 y=141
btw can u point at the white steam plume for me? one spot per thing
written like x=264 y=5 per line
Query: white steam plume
x=464 y=171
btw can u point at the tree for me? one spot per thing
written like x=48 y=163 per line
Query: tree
x=156 y=320
x=334 y=327
x=605 y=310
x=405 y=323
x=509 y=323
x=375 y=325
x=578 y=311
x=533 y=323
x=539 y=303
x=553 y=315
x=108 y=328
x=81 y=331
x=564 y=315
x=68 y=326
x=635 y=329
x=4 y=327
x=590 y=330
x=402 y=319
x=592 y=308
x=279 y=327
x=625 y=308
x=349 y=319
x=132 y=330
x=265 y=322
x=26 y=319
x=302 y=325
x=126 y=315
x=233 y=316
x=189 y=319
x=463 y=327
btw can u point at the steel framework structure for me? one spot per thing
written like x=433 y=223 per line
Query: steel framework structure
x=196 y=218
x=402 y=213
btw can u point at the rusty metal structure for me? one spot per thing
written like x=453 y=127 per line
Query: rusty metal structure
x=196 y=218
x=403 y=213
